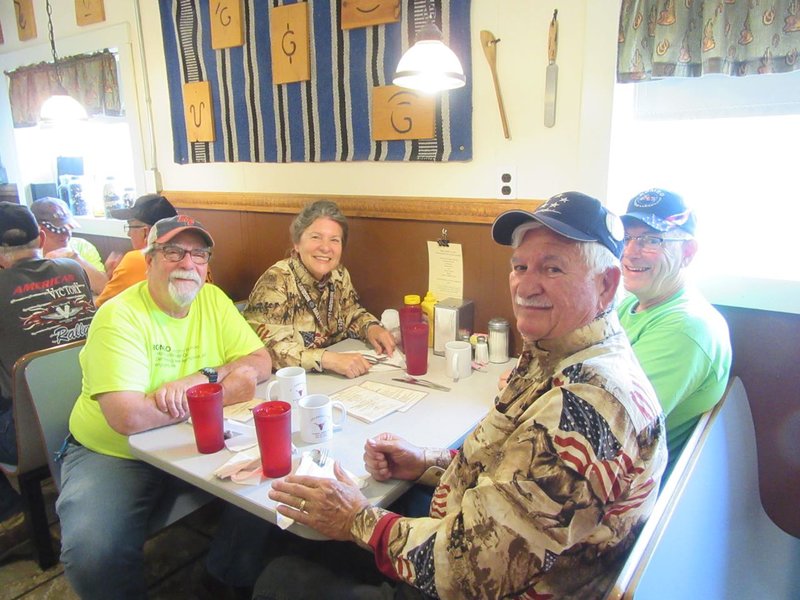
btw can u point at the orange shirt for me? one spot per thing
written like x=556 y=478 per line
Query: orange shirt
x=131 y=269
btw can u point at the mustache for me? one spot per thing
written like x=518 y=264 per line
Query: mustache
x=185 y=274
x=535 y=302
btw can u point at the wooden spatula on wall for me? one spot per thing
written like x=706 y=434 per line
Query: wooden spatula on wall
x=489 y=43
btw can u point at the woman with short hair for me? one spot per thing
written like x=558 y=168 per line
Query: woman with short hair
x=305 y=303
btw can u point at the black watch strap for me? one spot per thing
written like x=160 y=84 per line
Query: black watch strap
x=210 y=373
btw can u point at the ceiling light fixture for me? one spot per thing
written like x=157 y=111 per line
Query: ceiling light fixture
x=60 y=107
x=429 y=65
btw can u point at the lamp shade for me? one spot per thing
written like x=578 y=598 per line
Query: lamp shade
x=61 y=108
x=429 y=65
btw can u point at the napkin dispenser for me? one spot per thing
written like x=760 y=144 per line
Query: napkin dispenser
x=450 y=315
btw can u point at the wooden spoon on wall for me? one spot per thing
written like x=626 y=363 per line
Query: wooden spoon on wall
x=489 y=43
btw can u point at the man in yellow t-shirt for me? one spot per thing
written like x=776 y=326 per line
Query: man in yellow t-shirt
x=131 y=268
x=145 y=348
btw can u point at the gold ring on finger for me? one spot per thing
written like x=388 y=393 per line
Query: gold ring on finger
x=302 y=505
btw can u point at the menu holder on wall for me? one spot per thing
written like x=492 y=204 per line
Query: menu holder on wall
x=402 y=114
x=88 y=12
x=227 y=28
x=26 y=20
x=198 y=111
x=290 y=43
x=364 y=13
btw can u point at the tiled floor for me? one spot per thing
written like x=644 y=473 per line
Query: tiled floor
x=170 y=558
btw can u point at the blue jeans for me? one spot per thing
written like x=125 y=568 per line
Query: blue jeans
x=104 y=507
x=10 y=501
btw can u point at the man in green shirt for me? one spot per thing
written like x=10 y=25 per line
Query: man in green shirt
x=144 y=349
x=681 y=341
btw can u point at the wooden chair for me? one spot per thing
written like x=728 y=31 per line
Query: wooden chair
x=46 y=385
x=709 y=536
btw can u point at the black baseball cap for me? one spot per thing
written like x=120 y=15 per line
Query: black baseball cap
x=662 y=210
x=572 y=214
x=149 y=209
x=18 y=226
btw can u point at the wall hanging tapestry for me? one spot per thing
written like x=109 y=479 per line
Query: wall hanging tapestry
x=326 y=117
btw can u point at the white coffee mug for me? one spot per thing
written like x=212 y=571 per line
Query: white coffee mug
x=291 y=382
x=316 y=418
x=458 y=359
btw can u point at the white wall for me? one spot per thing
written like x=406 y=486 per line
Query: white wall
x=571 y=155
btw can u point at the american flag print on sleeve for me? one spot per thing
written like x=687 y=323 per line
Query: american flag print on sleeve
x=550 y=487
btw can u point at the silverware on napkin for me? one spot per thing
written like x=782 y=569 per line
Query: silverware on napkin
x=422 y=382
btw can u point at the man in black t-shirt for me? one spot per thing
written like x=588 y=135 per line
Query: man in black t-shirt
x=43 y=303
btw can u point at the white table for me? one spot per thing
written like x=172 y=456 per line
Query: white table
x=439 y=420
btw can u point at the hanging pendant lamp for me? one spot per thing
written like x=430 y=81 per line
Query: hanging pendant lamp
x=429 y=65
x=60 y=107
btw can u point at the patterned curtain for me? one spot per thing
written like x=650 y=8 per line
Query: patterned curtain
x=691 y=38
x=90 y=79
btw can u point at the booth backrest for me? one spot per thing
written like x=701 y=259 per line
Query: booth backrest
x=709 y=536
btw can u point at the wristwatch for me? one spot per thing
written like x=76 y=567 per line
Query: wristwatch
x=211 y=373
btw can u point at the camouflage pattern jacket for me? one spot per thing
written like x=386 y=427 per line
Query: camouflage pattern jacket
x=548 y=490
x=286 y=322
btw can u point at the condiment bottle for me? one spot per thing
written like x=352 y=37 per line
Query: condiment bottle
x=498 y=340
x=427 y=309
x=411 y=300
x=482 y=350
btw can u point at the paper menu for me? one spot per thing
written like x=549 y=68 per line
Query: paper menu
x=242 y=412
x=445 y=271
x=408 y=397
x=370 y=401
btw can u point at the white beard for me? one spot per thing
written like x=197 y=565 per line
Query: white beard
x=183 y=293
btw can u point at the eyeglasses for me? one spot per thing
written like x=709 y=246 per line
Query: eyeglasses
x=128 y=228
x=200 y=256
x=648 y=243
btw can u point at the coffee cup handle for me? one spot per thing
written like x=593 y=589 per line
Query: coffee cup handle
x=341 y=407
x=454 y=366
x=270 y=385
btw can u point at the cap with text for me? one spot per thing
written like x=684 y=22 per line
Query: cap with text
x=147 y=209
x=662 y=210
x=54 y=215
x=17 y=225
x=572 y=214
x=166 y=229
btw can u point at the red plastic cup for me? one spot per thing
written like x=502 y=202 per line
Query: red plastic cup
x=408 y=315
x=273 y=420
x=416 y=348
x=205 y=407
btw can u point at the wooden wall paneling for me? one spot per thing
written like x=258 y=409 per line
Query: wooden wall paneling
x=105 y=244
x=229 y=263
x=267 y=239
x=451 y=210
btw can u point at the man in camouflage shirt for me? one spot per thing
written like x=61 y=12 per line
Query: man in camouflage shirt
x=552 y=485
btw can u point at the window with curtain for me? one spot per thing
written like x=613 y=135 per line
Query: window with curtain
x=90 y=79
x=690 y=38
x=728 y=144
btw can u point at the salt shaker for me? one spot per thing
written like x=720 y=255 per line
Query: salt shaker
x=481 y=350
x=498 y=340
